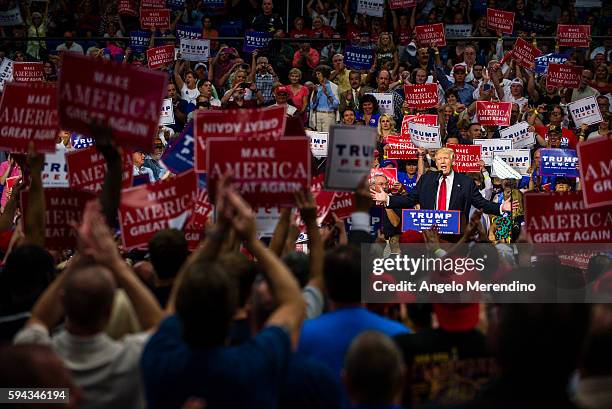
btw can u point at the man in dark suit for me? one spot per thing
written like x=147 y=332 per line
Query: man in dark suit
x=443 y=190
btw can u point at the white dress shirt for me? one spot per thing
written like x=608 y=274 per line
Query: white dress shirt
x=449 y=188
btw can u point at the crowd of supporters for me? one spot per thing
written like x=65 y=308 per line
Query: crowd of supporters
x=243 y=322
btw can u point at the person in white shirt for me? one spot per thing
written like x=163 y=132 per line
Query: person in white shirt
x=138 y=159
x=69 y=45
x=514 y=93
x=188 y=86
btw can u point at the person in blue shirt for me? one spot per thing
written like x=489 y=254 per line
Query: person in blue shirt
x=324 y=101
x=464 y=90
x=369 y=111
x=327 y=338
x=188 y=357
x=410 y=177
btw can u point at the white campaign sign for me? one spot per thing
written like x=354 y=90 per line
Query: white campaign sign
x=457 y=30
x=11 y=17
x=349 y=156
x=385 y=102
x=503 y=170
x=6 y=72
x=193 y=49
x=318 y=143
x=585 y=111
x=519 y=134
x=424 y=136
x=167 y=112
x=491 y=146
x=55 y=171
x=266 y=219
x=372 y=8
x=517 y=159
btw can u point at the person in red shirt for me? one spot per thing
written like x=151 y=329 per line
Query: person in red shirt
x=568 y=138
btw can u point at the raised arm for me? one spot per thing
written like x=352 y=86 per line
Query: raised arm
x=111 y=189
x=290 y=310
x=308 y=211
x=178 y=67
x=280 y=232
x=35 y=214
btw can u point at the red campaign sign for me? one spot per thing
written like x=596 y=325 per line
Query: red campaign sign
x=155 y=18
x=430 y=35
x=28 y=113
x=569 y=35
x=153 y=4
x=159 y=56
x=466 y=157
x=8 y=185
x=323 y=198
x=563 y=76
x=343 y=205
x=147 y=209
x=425 y=119
x=126 y=97
x=62 y=206
x=398 y=147
x=128 y=7
x=594 y=163
x=564 y=218
x=524 y=53
x=389 y=173
x=264 y=172
x=421 y=96
x=28 y=72
x=202 y=209
x=499 y=20
x=401 y=4
x=87 y=169
x=264 y=123
x=493 y=113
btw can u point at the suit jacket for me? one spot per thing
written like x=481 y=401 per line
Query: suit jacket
x=464 y=195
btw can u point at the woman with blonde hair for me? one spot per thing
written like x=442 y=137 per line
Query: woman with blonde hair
x=240 y=77
x=386 y=127
x=387 y=51
x=298 y=93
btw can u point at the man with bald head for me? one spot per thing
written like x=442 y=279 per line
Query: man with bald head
x=106 y=370
x=383 y=79
x=374 y=371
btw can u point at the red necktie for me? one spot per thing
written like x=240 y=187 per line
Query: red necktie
x=442 y=195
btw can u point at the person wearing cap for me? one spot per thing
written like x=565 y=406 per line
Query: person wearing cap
x=281 y=95
x=557 y=114
x=464 y=89
x=514 y=93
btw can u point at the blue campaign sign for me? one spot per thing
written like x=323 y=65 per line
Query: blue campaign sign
x=187 y=31
x=175 y=4
x=256 y=40
x=376 y=222
x=358 y=58
x=541 y=63
x=140 y=180
x=80 y=141
x=178 y=157
x=214 y=3
x=559 y=162
x=139 y=40
x=448 y=221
